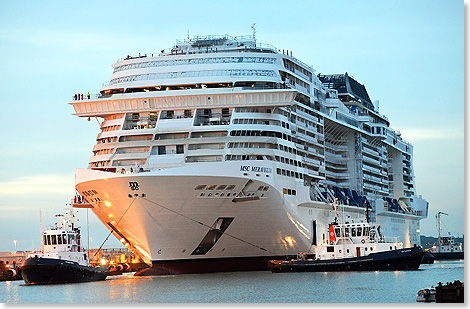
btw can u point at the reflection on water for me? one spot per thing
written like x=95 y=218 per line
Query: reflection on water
x=243 y=287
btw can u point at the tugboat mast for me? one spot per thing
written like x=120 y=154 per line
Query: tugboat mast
x=438 y=217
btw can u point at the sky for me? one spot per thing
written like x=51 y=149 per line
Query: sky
x=408 y=54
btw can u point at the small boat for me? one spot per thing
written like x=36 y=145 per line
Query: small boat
x=7 y=272
x=62 y=258
x=446 y=248
x=426 y=295
x=354 y=247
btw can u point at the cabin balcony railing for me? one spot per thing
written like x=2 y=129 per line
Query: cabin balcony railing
x=390 y=239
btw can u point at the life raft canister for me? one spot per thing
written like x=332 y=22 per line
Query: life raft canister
x=331 y=233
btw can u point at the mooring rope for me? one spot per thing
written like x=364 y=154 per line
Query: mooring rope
x=133 y=200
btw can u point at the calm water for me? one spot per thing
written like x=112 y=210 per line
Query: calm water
x=244 y=287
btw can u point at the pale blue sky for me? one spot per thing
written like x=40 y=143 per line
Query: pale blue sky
x=409 y=55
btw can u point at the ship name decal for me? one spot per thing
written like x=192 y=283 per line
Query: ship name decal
x=260 y=169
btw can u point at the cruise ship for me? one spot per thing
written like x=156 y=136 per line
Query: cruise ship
x=222 y=153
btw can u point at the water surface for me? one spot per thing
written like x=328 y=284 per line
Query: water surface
x=244 y=287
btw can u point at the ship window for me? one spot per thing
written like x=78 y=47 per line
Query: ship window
x=353 y=232
x=200 y=187
x=346 y=232
x=64 y=239
x=59 y=239
x=330 y=249
x=45 y=240
x=161 y=150
x=70 y=239
x=187 y=113
x=366 y=231
x=179 y=149
x=48 y=239
x=359 y=231
x=231 y=187
x=211 y=187
x=337 y=232
x=221 y=187
x=54 y=239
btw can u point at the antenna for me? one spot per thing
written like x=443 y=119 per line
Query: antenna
x=40 y=224
x=254 y=32
x=88 y=236
x=189 y=44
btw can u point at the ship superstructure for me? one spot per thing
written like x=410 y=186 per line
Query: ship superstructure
x=222 y=149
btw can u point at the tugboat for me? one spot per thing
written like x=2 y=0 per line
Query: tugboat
x=446 y=248
x=353 y=247
x=62 y=258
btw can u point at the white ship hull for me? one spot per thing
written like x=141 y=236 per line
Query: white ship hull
x=161 y=217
